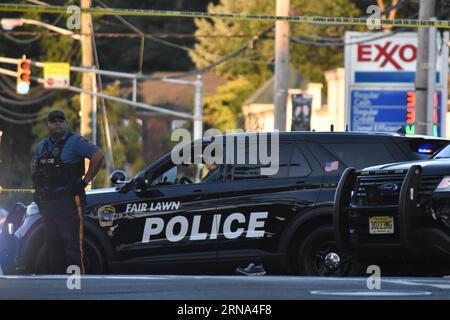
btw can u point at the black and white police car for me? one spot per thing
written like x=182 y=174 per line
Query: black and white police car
x=213 y=218
x=397 y=215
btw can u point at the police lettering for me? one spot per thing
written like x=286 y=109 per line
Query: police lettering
x=234 y=226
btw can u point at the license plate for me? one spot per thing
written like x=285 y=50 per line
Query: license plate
x=381 y=225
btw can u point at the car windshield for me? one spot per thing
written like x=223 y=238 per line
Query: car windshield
x=444 y=153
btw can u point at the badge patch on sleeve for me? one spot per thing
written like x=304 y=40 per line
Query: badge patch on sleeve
x=86 y=141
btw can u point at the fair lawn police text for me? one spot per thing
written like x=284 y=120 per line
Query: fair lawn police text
x=158 y=206
x=254 y=228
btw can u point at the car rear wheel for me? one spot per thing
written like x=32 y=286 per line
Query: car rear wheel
x=319 y=255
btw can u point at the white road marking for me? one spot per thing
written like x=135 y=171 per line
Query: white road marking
x=420 y=283
x=370 y=293
x=56 y=277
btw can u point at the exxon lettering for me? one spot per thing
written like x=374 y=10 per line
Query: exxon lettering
x=389 y=53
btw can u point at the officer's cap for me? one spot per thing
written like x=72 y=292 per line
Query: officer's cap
x=56 y=114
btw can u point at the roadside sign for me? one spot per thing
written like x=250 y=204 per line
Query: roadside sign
x=385 y=111
x=380 y=71
x=301 y=112
x=56 y=75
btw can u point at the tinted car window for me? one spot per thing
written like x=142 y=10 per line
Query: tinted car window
x=360 y=155
x=444 y=153
x=423 y=149
x=326 y=160
x=250 y=170
x=299 y=167
x=195 y=170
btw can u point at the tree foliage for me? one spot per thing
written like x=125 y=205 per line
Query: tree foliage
x=255 y=65
x=223 y=110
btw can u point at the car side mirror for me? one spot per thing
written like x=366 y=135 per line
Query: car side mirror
x=118 y=177
x=139 y=181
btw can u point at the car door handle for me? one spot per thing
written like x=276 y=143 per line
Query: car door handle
x=298 y=184
x=197 y=194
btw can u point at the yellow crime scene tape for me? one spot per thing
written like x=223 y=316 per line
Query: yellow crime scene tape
x=9 y=7
x=16 y=190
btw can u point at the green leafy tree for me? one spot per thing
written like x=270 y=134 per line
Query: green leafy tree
x=232 y=37
x=223 y=110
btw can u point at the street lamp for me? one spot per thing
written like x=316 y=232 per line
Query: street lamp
x=10 y=24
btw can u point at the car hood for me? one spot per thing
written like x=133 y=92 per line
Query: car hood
x=430 y=167
x=97 y=197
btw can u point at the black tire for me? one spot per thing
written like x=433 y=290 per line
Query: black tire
x=313 y=250
x=94 y=261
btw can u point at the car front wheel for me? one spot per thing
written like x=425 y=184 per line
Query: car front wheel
x=319 y=255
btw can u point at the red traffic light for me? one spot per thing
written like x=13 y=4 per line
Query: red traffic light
x=23 y=75
x=25 y=65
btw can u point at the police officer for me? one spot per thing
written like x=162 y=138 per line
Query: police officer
x=59 y=179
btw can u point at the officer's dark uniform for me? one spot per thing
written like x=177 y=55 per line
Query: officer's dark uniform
x=57 y=169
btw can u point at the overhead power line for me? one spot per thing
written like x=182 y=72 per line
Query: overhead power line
x=21 y=121
x=25 y=102
x=234 y=54
x=19 y=114
x=342 y=43
x=127 y=34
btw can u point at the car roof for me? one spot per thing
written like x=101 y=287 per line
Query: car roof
x=337 y=136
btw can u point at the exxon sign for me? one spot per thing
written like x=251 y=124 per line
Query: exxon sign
x=385 y=59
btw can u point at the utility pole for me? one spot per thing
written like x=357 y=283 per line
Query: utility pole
x=424 y=107
x=87 y=62
x=88 y=80
x=198 y=108
x=281 y=84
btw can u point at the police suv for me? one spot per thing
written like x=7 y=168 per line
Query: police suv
x=397 y=213
x=208 y=218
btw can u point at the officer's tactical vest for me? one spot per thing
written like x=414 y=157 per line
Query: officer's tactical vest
x=52 y=177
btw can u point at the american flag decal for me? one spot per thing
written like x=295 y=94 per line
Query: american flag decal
x=331 y=166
